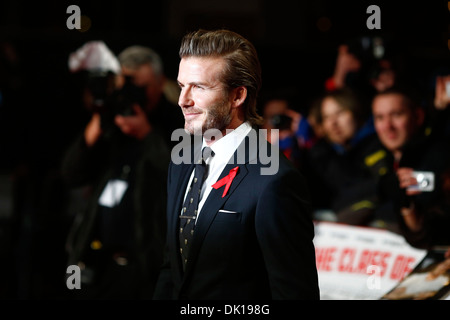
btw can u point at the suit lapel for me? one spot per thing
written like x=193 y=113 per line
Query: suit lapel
x=210 y=209
x=215 y=200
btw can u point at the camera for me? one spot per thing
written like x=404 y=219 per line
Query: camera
x=99 y=85
x=281 y=122
x=368 y=49
x=110 y=101
x=425 y=181
x=121 y=101
x=376 y=54
x=447 y=88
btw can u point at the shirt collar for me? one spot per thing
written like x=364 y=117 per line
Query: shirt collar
x=225 y=147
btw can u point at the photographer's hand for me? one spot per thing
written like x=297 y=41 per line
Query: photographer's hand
x=441 y=268
x=406 y=179
x=441 y=97
x=296 y=118
x=136 y=126
x=346 y=62
x=411 y=218
x=93 y=130
x=409 y=214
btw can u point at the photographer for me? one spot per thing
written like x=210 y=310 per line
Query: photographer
x=366 y=64
x=416 y=184
x=145 y=69
x=297 y=133
x=121 y=160
x=279 y=115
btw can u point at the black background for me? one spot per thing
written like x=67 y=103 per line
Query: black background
x=296 y=55
x=40 y=111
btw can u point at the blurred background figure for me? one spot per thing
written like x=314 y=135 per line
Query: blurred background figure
x=367 y=65
x=279 y=115
x=120 y=161
x=296 y=132
x=440 y=113
x=344 y=165
x=416 y=185
x=144 y=67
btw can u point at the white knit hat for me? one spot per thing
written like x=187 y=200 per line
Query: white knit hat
x=94 y=56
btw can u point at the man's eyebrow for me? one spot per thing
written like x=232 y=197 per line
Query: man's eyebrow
x=195 y=83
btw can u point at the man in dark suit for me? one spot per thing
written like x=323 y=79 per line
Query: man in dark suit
x=249 y=234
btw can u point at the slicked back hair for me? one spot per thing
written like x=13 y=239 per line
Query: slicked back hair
x=242 y=67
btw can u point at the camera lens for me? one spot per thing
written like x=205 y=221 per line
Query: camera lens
x=424 y=183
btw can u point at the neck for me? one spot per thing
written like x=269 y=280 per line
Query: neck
x=397 y=155
x=209 y=140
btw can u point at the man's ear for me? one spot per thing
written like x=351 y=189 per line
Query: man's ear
x=238 y=96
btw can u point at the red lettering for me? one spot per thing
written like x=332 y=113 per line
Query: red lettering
x=401 y=267
x=346 y=260
x=324 y=258
x=377 y=258
x=370 y=258
x=364 y=261
x=380 y=261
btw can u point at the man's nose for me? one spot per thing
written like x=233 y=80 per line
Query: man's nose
x=388 y=125
x=333 y=120
x=185 y=98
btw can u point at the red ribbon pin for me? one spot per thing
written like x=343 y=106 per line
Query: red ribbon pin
x=226 y=181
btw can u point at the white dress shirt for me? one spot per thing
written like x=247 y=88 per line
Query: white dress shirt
x=223 y=149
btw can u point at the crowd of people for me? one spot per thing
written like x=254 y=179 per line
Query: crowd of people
x=373 y=149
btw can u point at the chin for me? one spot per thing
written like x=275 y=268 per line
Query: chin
x=193 y=129
x=391 y=147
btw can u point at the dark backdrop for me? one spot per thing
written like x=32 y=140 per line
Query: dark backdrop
x=40 y=111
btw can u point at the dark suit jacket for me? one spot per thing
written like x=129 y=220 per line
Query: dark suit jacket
x=262 y=250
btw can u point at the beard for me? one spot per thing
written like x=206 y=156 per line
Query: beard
x=218 y=117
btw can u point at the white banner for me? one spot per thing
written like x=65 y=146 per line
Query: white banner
x=360 y=263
